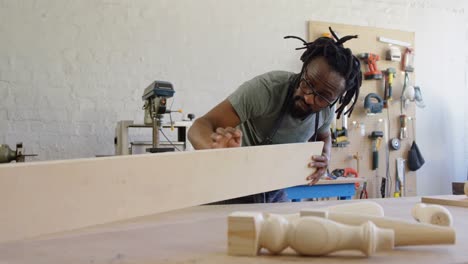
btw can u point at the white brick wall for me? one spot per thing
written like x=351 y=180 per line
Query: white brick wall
x=69 y=70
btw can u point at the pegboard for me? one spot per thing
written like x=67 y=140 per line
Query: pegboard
x=388 y=121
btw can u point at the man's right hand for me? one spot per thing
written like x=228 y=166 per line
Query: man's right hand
x=228 y=137
x=216 y=129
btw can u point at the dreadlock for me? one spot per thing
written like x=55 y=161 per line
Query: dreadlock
x=341 y=60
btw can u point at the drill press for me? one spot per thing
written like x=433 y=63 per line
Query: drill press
x=155 y=97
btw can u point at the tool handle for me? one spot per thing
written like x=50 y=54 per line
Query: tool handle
x=383 y=186
x=375 y=160
x=385 y=99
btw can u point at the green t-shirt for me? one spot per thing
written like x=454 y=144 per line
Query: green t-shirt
x=258 y=103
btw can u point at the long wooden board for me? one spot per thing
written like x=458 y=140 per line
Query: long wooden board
x=47 y=197
x=453 y=200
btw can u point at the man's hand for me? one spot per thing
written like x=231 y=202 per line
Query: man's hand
x=226 y=138
x=321 y=163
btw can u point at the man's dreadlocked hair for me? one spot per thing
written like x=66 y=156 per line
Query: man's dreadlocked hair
x=341 y=60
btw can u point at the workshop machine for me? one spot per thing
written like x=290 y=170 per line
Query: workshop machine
x=155 y=97
x=8 y=155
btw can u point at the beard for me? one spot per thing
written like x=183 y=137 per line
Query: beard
x=300 y=109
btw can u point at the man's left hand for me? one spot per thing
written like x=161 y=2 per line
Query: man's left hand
x=321 y=164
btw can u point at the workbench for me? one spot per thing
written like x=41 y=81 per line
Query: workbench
x=343 y=189
x=198 y=235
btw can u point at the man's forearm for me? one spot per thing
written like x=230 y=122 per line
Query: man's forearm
x=199 y=134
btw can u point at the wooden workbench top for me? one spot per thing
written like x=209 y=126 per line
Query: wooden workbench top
x=198 y=235
x=340 y=181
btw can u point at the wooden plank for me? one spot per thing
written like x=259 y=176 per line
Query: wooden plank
x=45 y=197
x=453 y=200
x=199 y=235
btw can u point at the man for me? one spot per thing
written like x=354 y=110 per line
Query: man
x=282 y=107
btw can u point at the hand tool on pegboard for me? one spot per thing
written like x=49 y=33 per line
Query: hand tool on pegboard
x=400 y=178
x=364 y=194
x=418 y=97
x=346 y=172
x=371 y=60
x=389 y=76
x=395 y=144
x=383 y=187
x=376 y=137
x=403 y=126
x=373 y=104
x=408 y=60
x=393 y=54
x=340 y=135
x=357 y=157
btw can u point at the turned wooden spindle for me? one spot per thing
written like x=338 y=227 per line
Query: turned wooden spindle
x=248 y=232
x=362 y=208
x=432 y=214
x=406 y=233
